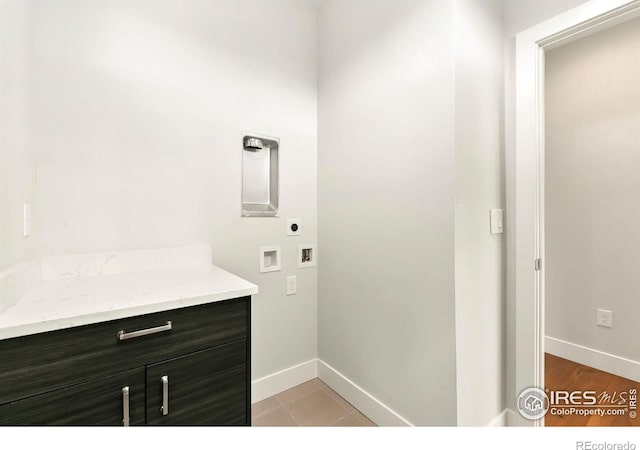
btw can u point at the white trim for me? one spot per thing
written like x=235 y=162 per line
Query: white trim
x=516 y=420
x=527 y=284
x=370 y=406
x=275 y=383
x=500 y=420
x=607 y=362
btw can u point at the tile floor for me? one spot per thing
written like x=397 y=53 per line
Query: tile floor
x=307 y=405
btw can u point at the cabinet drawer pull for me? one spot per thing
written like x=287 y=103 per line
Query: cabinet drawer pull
x=122 y=335
x=125 y=406
x=165 y=395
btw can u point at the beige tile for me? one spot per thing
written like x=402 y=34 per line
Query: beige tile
x=297 y=392
x=275 y=418
x=348 y=421
x=364 y=419
x=264 y=406
x=316 y=409
x=321 y=383
x=339 y=400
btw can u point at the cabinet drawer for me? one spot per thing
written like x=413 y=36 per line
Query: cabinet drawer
x=99 y=402
x=44 y=362
x=204 y=388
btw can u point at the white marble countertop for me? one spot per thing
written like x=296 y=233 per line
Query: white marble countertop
x=68 y=302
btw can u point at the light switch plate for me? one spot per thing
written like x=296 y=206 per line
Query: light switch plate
x=292 y=287
x=27 y=220
x=497 y=221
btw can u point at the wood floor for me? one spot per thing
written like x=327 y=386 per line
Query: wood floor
x=564 y=375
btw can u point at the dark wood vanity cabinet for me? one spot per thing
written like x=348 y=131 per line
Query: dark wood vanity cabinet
x=205 y=388
x=188 y=366
x=98 y=402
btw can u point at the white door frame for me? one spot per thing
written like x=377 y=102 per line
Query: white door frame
x=531 y=45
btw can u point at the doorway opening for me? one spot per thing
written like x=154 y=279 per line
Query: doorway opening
x=592 y=227
x=577 y=195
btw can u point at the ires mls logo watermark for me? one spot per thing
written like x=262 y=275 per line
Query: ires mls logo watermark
x=535 y=403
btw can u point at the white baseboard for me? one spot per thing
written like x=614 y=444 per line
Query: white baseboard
x=500 y=420
x=606 y=362
x=370 y=406
x=275 y=383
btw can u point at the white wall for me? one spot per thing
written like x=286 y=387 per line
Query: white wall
x=479 y=256
x=519 y=15
x=593 y=190
x=523 y=14
x=386 y=202
x=17 y=159
x=137 y=106
x=138 y=112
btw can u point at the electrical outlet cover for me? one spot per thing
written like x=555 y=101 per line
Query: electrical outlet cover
x=605 y=318
x=292 y=287
x=294 y=227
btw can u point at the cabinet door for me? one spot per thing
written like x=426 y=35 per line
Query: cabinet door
x=40 y=363
x=205 y=388
x=100 y=402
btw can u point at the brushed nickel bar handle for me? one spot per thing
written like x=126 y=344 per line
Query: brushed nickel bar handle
x=165 y=395
x=125 y=406
x=123 y=335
